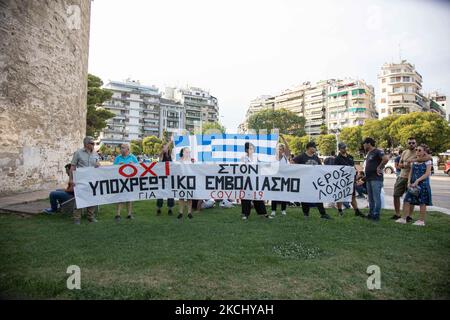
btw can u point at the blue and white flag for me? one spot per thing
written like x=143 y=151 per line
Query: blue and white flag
x=226 y=147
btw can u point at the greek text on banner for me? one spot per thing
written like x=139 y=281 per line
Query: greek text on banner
x=265 y=181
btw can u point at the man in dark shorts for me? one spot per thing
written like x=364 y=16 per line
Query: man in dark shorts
x=310 y=157
x=345 y=159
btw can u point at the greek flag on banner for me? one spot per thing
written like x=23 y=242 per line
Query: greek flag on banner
x=226 y=147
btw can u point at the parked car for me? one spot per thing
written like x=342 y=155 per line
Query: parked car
x=389 y=168
x=447 y=168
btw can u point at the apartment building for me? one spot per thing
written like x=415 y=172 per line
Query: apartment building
x=400 y=88
x=136 y=108
x=200 y=106
x=142 y=111
x=334 y=103
x=441 y=101
x=349 y=103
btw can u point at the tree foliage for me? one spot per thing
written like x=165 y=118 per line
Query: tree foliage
x=136 y=147
x=296 y=144
x=152 y=145
x=352 y=137
x=213 y=127
x=96 y=116
x=427 y=127
x=326 y=143
x=287 y=122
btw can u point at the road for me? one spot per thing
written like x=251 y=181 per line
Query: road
x=440 y=188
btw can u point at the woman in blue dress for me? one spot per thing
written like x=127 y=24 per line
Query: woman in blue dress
x=419 y=190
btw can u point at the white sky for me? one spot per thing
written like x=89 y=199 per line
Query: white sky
x=240 y=49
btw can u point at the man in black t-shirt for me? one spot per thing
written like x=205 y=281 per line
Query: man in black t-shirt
x=165 y=155
x=375 y=162
x=310 y=157
x=345 y=159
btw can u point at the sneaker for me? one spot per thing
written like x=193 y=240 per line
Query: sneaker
x=401 y=220
x=170 y=213
x=48 y=211
x=93 y=220
x=117 y=218
x=325 y=216
x=273 y=213
x=341 y=212
x=76 y=221
x=375 y=218
x=190 y=216
x=359 y=214
x=283 y=213
x=130 y=217
x=180 y=216
x=395 y=217
x=306 y=215
x=409 y=219
x=420 y=223
x=268 y=216
x=244 y=218
x=158 y=212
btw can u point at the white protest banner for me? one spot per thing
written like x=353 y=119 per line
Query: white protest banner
x=267 y=181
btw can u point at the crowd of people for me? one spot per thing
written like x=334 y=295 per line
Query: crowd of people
x=414 y=166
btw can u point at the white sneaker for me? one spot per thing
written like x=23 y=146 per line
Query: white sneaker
x=420 y=223
x=244 y=218
x=283 y=213
x=273 y=213
x=401 y=220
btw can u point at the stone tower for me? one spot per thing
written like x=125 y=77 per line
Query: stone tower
x=43 y=83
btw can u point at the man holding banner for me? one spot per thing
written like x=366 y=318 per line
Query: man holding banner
x=82 y=158
x=125 y=157
x=309 y=157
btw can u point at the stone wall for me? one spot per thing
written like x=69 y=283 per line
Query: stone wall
x=43 y=83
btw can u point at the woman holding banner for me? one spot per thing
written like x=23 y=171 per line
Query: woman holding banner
x=283 y=154
x=246 y=205
x=185 y=157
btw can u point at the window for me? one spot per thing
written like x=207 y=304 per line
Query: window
x=383 y=90
x=383 y=80
x=383 y=100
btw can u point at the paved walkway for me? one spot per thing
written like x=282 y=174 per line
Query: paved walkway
x=32 y=202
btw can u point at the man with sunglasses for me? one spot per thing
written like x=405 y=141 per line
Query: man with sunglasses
x=84 y=157
x=401 y=184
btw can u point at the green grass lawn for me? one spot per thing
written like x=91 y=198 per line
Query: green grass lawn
x=218 y=256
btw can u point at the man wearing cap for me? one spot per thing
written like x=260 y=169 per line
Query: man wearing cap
x=345 y=159
x=84 y=157
x=375 y=162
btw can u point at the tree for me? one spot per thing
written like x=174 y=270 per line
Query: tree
x=287 y=122
x=152 y=145
x=297 y=145
x=136 y=147
x=323 y=129
x=105 y=150
x=379 y=130
x=427 y=127
x=96 y=116
x=352 y=137
x=326 y=143
x=213 y=127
